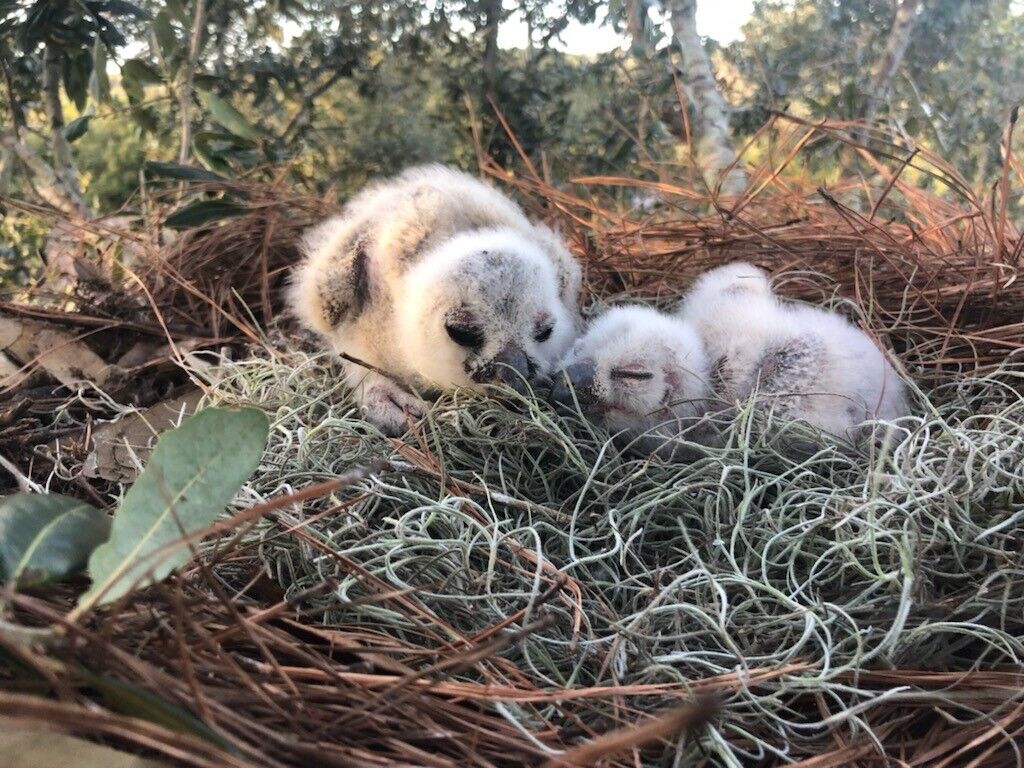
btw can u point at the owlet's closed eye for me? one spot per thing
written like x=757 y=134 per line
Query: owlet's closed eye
x=630 y=374
x=464 y=334
x=543 y=334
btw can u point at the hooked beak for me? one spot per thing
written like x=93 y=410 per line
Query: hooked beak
x=577 y=379
x=511 y=367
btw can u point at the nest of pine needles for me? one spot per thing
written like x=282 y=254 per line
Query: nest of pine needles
x=508 y=586
x=933 y=268
x=931 y=265
x=229 y=275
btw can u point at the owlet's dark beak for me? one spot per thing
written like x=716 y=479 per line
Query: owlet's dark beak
x=511 y=367
x=577 y=379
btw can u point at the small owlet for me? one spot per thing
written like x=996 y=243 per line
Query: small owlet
x=440 y=281
x=637 y=369
x=805 y=362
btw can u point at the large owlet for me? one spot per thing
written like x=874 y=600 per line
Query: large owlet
x=440 y=281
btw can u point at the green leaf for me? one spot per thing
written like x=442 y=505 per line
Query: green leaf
x=227 y=116
x=135 y=75
x=166 y=37
x=221 y=141
x=193 y=473
x=133 y=90
x=209 y=158
x=147 y=118
x=77 y=127
x=76 y=73
x=99 y=81
x=203 y=212
x=46 y=537
x=141 y=72
x=182 y=172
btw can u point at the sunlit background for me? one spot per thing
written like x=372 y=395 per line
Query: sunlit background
x=340 y=93
x=721 y=21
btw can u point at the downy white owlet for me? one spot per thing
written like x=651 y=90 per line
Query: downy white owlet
x=438 y=281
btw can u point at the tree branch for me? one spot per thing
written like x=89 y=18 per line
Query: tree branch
x=63 y=161
x=892 y=58
x=185 y=91
x=17 y=121
x=307 y=104
x=636 y=15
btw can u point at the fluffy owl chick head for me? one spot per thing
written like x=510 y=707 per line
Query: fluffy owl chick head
x=733 y=310
x=635 y=367
x=483 y=306
x=737 y=279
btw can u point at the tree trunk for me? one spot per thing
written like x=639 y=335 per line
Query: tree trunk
x=63 y=161
x=713 y=151
x=636 y=12
x=892 y=58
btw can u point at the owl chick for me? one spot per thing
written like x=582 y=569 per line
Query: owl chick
x=808 y=363
x=440 y=281
x=637 y=369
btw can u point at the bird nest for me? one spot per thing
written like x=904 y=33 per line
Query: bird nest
x=506 y=586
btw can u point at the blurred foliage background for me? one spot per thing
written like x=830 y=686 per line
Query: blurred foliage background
x=340 y=92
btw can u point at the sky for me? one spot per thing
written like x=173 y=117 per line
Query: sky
x=720 y=20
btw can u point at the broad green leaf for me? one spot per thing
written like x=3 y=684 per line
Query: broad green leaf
x=208 y=157
x=30 y=745
x=226 y=115
x=166 y=37
x=133 y=90
x=181 y=172
x=146 y=118
x=222 y=141
x=99 y=82
x=193 y=473
x=45 y=537
x=76 y=74
x=203 y=212
x=77 y=127
x=246 y=158
x=141 y=72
